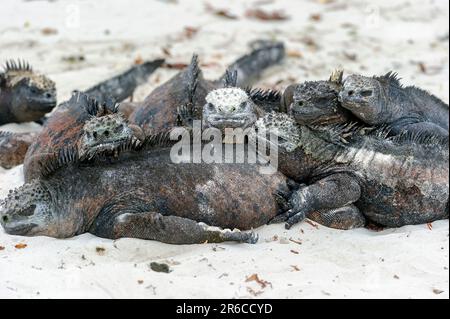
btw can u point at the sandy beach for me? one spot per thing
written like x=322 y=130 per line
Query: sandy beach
x=79 y=43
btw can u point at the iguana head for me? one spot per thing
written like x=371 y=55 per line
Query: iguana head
x=364 y=97
x=316 y=102
x=282 y=126
x=31 y=95
x=229 y=107
x=106 y=134
x=27 y=211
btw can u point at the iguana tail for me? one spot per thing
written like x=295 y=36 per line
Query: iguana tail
x=250 y=66
x=123 y=85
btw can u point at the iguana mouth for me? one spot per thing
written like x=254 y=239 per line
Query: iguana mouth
x=108 y=144
x=232 y=122
x=104 y=147
x=19 y=229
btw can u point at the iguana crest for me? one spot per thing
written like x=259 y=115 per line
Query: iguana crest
x=15 y=72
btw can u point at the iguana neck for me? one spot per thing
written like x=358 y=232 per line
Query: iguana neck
x=319 y=144
x=72 y=219
x=395 y=103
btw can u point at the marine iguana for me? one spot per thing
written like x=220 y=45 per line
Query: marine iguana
x=391 y=181
x=305 y=164
x=178 y=101
x=64 y=124
x=137 y=194
x=25 y=95
x=65 y=128
x=383 y=100
x=316 y=102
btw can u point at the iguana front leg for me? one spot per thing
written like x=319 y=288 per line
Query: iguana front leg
x=332 y=192
x=168 y=229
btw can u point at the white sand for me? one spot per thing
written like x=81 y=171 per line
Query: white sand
x=409 y=262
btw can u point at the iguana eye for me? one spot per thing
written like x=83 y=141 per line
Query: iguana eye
x=243 y=105
x=34 y=90
x=210 y=106
x=300 y=103
x=366 y=93
x=119 y=128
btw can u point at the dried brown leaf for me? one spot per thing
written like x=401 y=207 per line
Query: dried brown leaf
x=295 y=241
x=263 y=15
x=2 y=248
x=315 y=17
x=49 y=31
x=224 y=13
x=189 y=32
x=430 y=226
x=422 y=67
x=253 y=292
x=437 y=291
x=176 y=66
x=261 y=282
x=295 y=268
x=294 y=54
x=21 y=246
x=138 y=60
x=166 y=51
x=294 y=251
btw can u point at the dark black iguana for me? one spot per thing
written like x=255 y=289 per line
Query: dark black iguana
x=25 y=95
x=390 y=181
x=383 y=100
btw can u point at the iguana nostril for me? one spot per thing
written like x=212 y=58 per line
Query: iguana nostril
x=351 y=92
x=48 y=95
x=95 y=134
x=106 y=133
x=5 y=219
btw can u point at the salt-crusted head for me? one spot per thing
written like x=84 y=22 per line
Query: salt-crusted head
x=27 y=211
x=365 y=96
x=316 y=102
x=229 y=107
x=105 y=134
x=31 y=95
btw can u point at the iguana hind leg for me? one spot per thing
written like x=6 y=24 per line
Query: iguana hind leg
x=168 y=229
x=332 y=192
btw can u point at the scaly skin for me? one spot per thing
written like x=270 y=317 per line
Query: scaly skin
x=234 y=108
x=383 y=100
x=25 y=96
x=67 y=120
x=180 y=100
x=63 y=128
x=392 y=181
x=138 y=195
x=316 y=102
x=304 y=164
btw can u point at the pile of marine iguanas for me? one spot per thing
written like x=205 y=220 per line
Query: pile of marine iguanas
x=350 y=152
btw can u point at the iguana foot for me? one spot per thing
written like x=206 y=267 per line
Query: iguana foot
x=347 y=217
